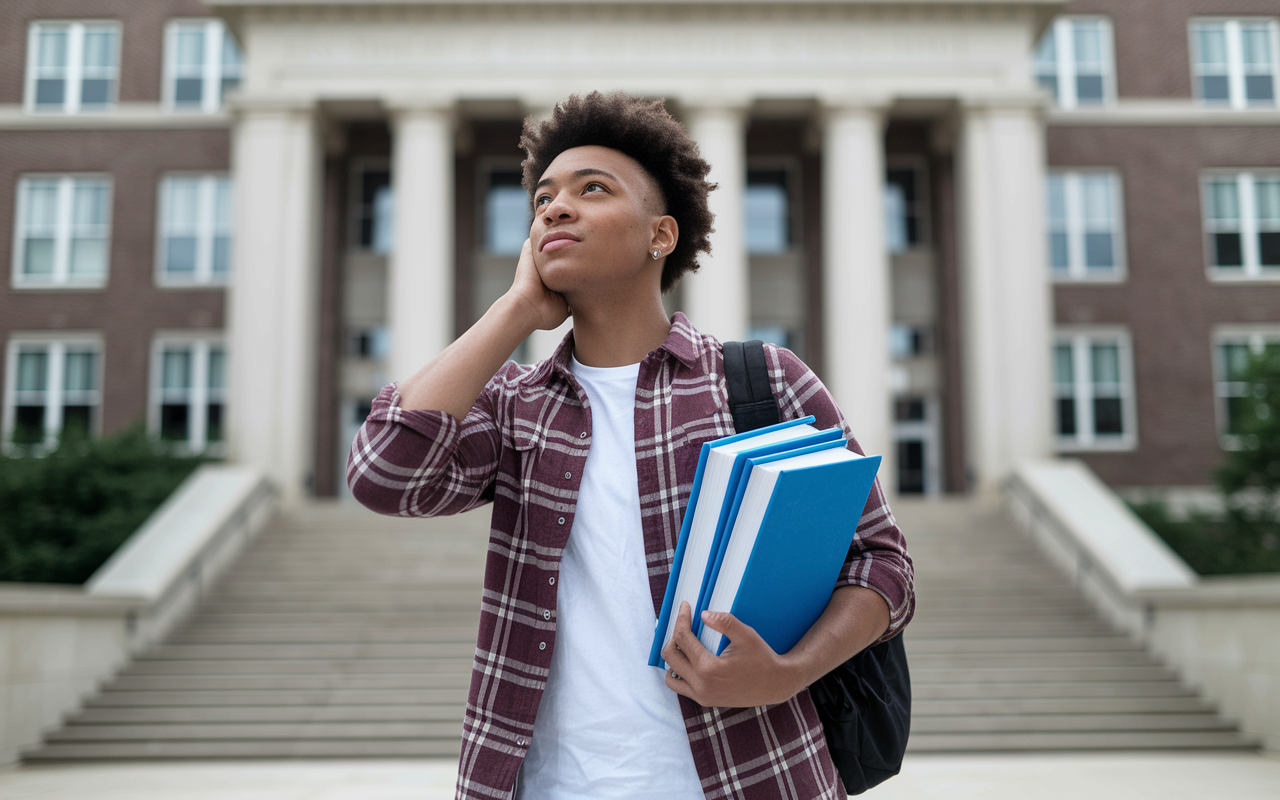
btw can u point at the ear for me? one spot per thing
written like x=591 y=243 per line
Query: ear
x=666 y=234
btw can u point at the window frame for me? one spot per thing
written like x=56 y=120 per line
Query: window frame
x=212 y=73
x=792 y=167
x=200 y=394
x=355 y=203
x=72 y=101
x=1081 y=339
x=57 y=345
x=61 y=277
x=1065 y=71
x=1251 y=270
x=923 y=203
x=1077 y=270
x=1236 y=99
x=1256 y=338
x=485 y=167
x=206 y=231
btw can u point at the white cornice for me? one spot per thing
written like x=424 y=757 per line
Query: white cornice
x=1162 y=113
x=125 y=116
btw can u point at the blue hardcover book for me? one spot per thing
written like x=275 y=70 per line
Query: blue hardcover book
x=719 y=464
x=732 y=507
x=798 y=514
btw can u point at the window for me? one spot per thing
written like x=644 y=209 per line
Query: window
x=373 y=209
x=1085 y=227
x=52 y=386
x=1093 y=390
x=64 y=231
x=187 y=391
x=1242 y=224
x=72 y=66
x=1233 y=61
x=202 y=61
x=902 y=209
x=194 y=236
x=1074 y=61
x=507 y=213
x=909 y=341
x=767 y=212
x=1231 y=358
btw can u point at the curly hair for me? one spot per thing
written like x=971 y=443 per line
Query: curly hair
x=643 y=130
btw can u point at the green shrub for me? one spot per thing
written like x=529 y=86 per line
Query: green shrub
x=64 y=513
x=1233 y=542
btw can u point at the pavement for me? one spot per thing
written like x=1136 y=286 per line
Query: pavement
x=1096 y=776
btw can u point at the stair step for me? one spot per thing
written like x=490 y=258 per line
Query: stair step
x=249 y=731
x=298 y=667
x=283 y=748
x=1050 y=723
x=990 y=675
x=291 y=682
x=328 y=650
x=1108 y=741
x=1058 y=705
x=919 y=647
x=1046 y=690
x=406 y=712
x=335 y=696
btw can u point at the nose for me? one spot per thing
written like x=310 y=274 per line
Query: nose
x=558 y=208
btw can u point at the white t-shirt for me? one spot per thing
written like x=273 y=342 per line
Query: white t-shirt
x=608 y=726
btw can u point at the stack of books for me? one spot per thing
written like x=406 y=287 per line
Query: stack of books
x=769 y=522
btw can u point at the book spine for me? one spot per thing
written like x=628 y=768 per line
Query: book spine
x=664 y=618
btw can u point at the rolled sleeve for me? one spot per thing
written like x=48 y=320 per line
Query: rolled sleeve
x=424 y=463
x=877 y=558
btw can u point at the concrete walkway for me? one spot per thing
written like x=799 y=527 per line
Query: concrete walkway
x=1147 y=776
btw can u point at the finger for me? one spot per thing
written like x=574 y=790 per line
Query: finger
x=679 y=685
x=676 y=657
x=691 y=648
x=734 y=629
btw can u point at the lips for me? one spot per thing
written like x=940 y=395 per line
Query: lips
x=556 y=240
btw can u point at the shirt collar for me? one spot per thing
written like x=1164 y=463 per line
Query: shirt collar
x=683 y=342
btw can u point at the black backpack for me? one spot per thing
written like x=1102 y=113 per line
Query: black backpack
x=865 y=703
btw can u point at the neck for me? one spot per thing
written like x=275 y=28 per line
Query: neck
x=618 y=331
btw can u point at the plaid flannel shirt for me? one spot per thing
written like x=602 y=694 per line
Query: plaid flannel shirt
x=522 y=447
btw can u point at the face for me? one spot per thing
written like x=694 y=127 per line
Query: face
x=597 y=217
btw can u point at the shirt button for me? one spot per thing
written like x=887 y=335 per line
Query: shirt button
x=520 y=742
x=552 y=580
x=568 y=474
x=582 y=435
x=562 y=520
x=546 y=614
x=542 y=645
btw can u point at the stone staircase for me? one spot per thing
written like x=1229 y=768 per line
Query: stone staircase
x=338 y=633
x=1006 y=655
x=342 y=633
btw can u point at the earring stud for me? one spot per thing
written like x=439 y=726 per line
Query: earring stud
x=657 y=254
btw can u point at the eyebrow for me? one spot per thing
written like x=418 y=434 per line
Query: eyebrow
x=582 y=173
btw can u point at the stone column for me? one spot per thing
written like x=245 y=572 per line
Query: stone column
x=856 y=305
x=1006 y=300
x=716 y=297
x=273 y=297
x=420 y=280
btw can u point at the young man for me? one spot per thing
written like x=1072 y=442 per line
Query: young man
x=588 y=458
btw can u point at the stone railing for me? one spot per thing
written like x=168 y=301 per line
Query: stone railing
x=1222 y=634
x=59 y=643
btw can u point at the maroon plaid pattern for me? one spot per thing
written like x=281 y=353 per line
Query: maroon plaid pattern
x=522 y=447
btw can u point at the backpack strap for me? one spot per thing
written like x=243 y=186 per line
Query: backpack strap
x=746 y=376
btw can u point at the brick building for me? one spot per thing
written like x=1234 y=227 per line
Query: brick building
x=998 y=229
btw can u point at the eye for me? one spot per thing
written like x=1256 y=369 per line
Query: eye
x=599 y=186
x=540 y=199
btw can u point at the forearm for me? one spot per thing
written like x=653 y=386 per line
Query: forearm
x=453 y=380
x=854 y=618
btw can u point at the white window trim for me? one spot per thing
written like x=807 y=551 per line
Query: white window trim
x=793 y=167
x=484 y=168
x=1252 y=270
x=1256 y=337
x=1235 y=61
x=211 y=74
x=1081 y=338
x=61 y=278
x=75 y=65
x=58 y=344
x=206 y=231
x=200 y=343
x=1076 y=270
x=1064 y=46
x=924 y=199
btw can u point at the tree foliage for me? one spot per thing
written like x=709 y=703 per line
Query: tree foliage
x=63 y=513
